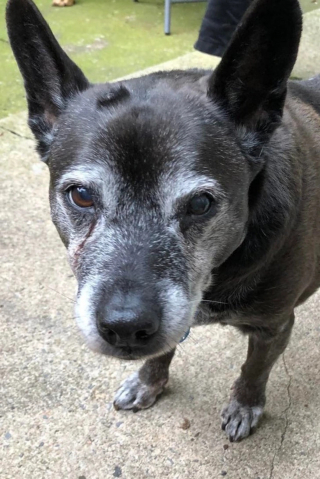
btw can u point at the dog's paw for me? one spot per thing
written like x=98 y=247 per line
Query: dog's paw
x=238 y=420
x=135 y=395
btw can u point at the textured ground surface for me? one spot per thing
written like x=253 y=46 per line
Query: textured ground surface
x=56 y=415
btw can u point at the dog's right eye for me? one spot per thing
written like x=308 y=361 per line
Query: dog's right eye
x=80 y=196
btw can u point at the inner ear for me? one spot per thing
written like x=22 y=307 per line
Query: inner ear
x=51 y=78
x=251 y=80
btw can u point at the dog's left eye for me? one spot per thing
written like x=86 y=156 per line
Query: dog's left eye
x=200 y=204
x=81 y=196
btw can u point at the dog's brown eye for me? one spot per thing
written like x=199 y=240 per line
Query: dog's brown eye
x=199 y=205
x=81 y=196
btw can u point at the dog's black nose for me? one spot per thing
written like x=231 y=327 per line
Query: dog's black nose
x=128 y=320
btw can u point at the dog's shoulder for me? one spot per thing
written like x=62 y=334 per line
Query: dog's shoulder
x=307 y=91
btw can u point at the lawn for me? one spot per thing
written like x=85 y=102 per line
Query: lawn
x=106 y=38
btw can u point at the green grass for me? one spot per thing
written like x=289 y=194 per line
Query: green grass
x=106 y=38
x=308 y=5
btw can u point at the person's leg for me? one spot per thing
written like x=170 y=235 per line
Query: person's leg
x=219 y=23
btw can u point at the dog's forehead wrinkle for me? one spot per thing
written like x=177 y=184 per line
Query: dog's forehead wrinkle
x=112 y=96
x=84 y=174
x=170 y=107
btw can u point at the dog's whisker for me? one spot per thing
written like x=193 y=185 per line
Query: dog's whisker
x=63 y=295
x=193 y=339
x=206 y=301
x=211 y=301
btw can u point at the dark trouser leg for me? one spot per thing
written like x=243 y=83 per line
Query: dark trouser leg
x=218 y=25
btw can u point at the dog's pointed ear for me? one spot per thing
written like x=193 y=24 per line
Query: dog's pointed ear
x=250 y=83
x=50 y=77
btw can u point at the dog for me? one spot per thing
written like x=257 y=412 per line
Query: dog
x=183 y=198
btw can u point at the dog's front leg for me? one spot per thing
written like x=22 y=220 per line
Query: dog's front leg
x=141 y=389
x=248 y=392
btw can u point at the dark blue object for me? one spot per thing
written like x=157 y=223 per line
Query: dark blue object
x=184 y=337
x=218 y=25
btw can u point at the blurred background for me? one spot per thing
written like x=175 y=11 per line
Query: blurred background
x=108 y=39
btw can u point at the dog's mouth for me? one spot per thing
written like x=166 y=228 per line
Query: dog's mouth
x=128 y=352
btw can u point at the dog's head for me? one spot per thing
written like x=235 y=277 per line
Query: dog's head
x=151 y=177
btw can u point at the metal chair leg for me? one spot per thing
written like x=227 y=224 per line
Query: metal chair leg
x=167 y=17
